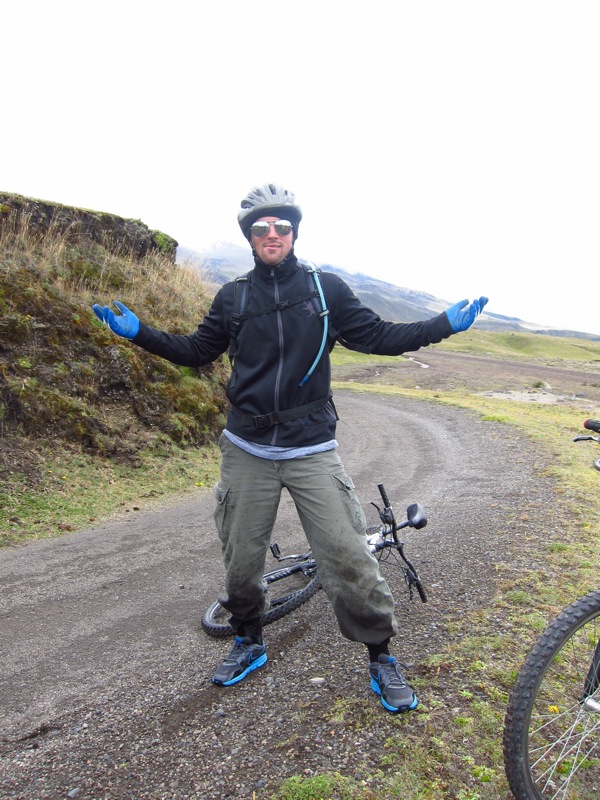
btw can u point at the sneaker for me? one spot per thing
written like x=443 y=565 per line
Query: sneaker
x=388 y=681
x=244 y=658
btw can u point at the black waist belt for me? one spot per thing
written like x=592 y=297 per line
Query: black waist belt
x=275 y=417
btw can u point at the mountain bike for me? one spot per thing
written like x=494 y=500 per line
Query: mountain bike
x=552 y=726
x=297 y=580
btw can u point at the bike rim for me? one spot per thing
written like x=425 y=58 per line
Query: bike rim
x=563 y=728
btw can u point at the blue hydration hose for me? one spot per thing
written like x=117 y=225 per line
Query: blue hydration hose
x=325 y=315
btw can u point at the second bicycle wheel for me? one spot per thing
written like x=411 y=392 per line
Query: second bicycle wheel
x=289 y=588
x=552 y=725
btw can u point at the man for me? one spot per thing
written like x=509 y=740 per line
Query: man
x=283 y=320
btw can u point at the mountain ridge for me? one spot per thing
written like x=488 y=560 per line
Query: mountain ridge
x=224 y=261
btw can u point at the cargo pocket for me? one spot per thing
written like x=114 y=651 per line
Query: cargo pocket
x=350 y=502
x=221 y=492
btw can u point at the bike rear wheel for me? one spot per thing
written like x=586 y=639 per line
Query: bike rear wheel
x=289 y=588
x=552 y=725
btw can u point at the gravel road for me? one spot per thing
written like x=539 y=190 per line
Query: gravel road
x=104 y=670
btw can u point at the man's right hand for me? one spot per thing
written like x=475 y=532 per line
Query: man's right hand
x=125 y=324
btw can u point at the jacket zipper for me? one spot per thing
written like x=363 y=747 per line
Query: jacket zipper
x=280 y=365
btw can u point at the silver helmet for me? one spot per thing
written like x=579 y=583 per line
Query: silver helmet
x=268 y=200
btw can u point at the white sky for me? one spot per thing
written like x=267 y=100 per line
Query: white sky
x=446 y=146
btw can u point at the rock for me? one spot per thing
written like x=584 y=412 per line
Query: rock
x=127 y=237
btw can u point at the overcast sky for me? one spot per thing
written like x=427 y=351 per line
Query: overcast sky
x=449 y=147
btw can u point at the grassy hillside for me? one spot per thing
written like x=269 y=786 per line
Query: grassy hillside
x=83 y=413
x=530 y=346
x=509 y=346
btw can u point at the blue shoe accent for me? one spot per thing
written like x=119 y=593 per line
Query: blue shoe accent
x=245 y=657
x=393 y=709
x=387 y=680
x=255 y=664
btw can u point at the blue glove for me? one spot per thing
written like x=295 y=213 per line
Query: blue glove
x=463 y=314
x=126 y=324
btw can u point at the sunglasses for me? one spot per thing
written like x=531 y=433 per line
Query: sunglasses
x=282 y=228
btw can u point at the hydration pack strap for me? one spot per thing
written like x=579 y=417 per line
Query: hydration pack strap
x=239 y=301
x=240 y=298
x=324 y=314
x=283 y=304
x=275 y=417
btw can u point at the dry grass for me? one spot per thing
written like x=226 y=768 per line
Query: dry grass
x=87 y=273
x=71 y=391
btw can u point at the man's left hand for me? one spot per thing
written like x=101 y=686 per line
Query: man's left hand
x=463 y=314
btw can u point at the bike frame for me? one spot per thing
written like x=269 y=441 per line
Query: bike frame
x=289 y=598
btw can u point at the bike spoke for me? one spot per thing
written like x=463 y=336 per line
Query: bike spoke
x=563 y=736
x=552 y=734
x=564 y=750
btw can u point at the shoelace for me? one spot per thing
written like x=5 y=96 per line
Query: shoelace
x=239 y=648
x=393 y=670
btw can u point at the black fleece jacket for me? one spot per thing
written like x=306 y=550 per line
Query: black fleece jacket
x=275 y=349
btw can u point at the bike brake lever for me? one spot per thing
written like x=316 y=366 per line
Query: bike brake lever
x=387 y=516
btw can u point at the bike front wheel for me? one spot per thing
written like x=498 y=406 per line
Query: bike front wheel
x=289 y=588
x=552 y=725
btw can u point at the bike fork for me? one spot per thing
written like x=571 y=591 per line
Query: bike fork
x=592 y=682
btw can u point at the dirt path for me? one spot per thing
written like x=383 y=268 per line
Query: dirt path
x=441 y=370
x=104 y=673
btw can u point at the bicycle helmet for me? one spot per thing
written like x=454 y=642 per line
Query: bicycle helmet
x=268 y=200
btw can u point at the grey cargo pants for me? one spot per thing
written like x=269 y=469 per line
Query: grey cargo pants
x=248 y=495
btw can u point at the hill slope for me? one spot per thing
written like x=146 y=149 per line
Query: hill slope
x=68 y=385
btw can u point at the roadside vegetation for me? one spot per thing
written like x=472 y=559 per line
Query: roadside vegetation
x=511 y=346
x=91 y=426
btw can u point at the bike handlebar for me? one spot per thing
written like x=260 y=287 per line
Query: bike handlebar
x=415 y=515
x=384 y=497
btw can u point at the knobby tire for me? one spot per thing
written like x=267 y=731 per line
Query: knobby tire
x=287 y=592
x=551 y=739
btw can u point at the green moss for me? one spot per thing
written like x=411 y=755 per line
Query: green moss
x=15 y=327
x=163 y=243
